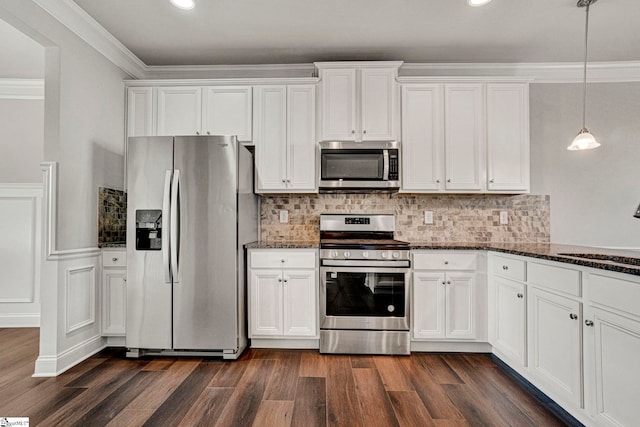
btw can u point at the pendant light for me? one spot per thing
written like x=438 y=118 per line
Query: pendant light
x=184 y=4
x=476 y=3
x=584 y=140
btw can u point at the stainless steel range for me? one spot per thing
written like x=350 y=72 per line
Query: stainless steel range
x=364 y=286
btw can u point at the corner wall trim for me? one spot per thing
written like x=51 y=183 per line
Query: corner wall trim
x=50 y=203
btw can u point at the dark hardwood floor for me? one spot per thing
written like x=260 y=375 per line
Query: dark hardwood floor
x=264 y=388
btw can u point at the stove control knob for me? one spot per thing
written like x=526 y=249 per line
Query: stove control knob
x=365 y=254
x=334 y=254
x=396 y=255
x=383 y=255
x=347 y=254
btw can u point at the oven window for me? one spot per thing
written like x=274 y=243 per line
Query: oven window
x=355 y=165
x=365 y=294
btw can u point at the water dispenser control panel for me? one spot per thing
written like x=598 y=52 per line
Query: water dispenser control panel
x=148 y=229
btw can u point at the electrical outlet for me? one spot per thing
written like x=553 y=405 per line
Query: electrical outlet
x=284 y=217
x=428 y=217
x=504 y=217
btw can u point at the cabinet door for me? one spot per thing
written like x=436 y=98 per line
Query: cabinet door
x=464 y=137
x=422 y=137
x=613 y=369
x=270 y=124
x=299 y=300
x=227 y=111
x=428 y=305
x=114 y=302
x=339 y=104
x=508 y=137
x=265 y=303
x=301 y=138
x=179 y=111
x=555 y=354
x=378 y=104
x=460 y=306
x=140 y=111
x=508 y=309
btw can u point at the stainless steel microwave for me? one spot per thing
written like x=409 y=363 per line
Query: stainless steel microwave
x=372 y=165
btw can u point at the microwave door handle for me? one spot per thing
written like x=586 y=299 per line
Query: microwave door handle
x=385 y=167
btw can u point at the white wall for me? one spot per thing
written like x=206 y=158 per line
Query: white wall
x=21 y=140
x=593 y=193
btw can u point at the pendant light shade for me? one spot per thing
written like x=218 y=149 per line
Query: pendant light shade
x=184 y=4
x=476 y=3
x=584 y=140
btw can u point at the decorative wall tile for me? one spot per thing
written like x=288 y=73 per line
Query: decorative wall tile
x=112 y=216
x=464 y=218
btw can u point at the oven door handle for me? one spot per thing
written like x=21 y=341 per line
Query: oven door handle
x=365 y=269
x=358 y=263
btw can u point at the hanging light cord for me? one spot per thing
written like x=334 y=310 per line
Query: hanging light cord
x=584 y=77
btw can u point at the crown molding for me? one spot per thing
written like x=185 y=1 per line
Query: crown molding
x=22 y=89
x=222 y=82
x=88 y=29
x=560 y=72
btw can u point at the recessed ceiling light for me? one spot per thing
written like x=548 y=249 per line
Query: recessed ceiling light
x=476 y=3
x=184 y=4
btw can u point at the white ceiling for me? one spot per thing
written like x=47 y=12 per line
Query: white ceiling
x=234 y=32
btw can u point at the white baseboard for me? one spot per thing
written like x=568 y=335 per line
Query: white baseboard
x=313 y=344
x=20 y=320
x=51 y=366
x=448 y=346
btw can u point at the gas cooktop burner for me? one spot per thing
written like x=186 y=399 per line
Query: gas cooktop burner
x=364 y=244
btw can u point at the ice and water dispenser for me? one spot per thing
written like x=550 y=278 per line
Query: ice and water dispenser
x=148 y=229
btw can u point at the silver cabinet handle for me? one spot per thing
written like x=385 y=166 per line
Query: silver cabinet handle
x=437 y=181
x=282 y=260
x=491 y=181
x=124 y=279
x=588 y=322
x=448 y=282
x=284 y=180
x=444 y=283
x=353 y=132
x=573 y=316
x=449 y=180
x=446 y=263
x=286 y=280
x=279 y=280
x=364 y=131
x=114 y=259
x=520 y=295
x=505 y=267
x=197 y=133
x=288 y=181
x=208 y=133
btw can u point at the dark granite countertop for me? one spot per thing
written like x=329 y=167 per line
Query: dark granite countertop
x=622 y=261
x=283 y=244
x=114 y=245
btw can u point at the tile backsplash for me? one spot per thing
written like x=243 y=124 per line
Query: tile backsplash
x=463 y=218
x=112 y=216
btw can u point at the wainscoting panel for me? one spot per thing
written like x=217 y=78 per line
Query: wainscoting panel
x=20 y=219
x=80 y=291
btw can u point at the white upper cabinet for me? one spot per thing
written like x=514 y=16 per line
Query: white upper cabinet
x=179 y=111
x=140 y=111
x=190 y=110
x=227 y=111
x=464 y=136
x=284 y=121
x=359 y=101
x=508 y=137
x=422 y=137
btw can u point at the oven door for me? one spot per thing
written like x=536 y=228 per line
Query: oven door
x=370 y=298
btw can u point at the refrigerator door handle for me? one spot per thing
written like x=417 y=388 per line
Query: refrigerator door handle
x=166 y=247
x=175 y=225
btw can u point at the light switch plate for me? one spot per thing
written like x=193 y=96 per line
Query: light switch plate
x=284 y=217
x=504 y=217
x=428 y=217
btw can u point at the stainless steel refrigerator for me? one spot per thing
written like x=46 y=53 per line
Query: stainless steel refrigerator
x=190 y=210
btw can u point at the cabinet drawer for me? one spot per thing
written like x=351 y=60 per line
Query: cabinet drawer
x=515 y=269
x=444 y=261
x=555 y=278
x=114 y=259
x=286 y=259
x=619 y=294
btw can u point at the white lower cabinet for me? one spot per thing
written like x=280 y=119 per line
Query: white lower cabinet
x=508 y=319
x=444 y=302
x=555 y=344
x=283 y=293
x=612 y=345
x=114 y=293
